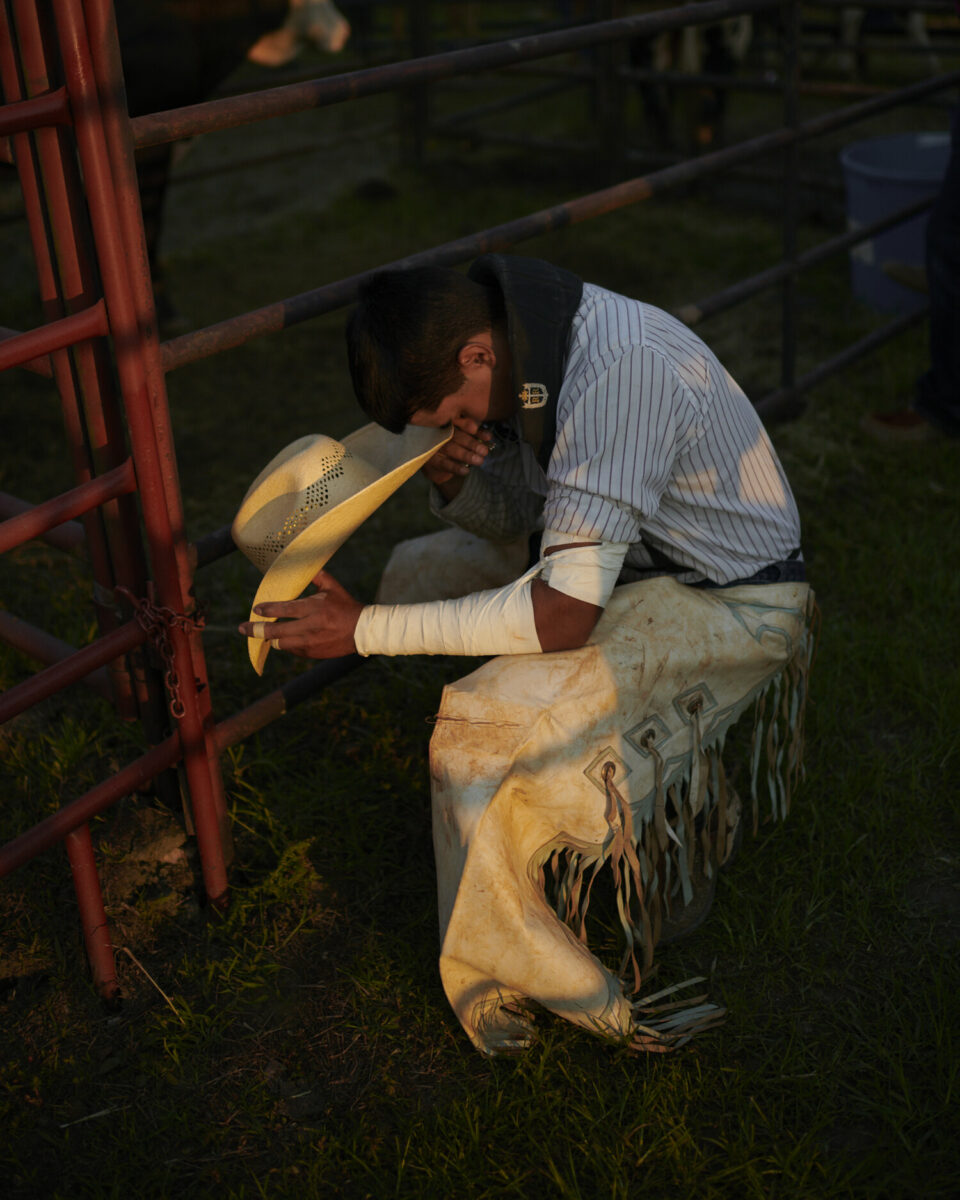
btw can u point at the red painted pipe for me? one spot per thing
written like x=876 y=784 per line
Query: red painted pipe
x=21 y=115
x=138 y=774
x=93 y=917
x=45 y=648
x=119 y=482
x=60 y=675
x=68 y=537
x=22 y=347
x=55 y=828
x=39 y=366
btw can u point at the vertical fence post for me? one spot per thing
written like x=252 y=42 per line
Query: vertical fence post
x=789 y=198
x=609 y=96
x=414 y=106
x=93 y=917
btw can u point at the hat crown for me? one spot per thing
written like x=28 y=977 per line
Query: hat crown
x=308 y=478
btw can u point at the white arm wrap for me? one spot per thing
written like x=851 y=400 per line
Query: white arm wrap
x=587 y=573
x=499 y=621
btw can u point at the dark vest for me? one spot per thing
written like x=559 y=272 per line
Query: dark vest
x=540 y=301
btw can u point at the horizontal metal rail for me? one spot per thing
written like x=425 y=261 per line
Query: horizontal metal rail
x=67 y=536
x=572 y=77
x=744 y=289
x=944 y=8
x=180 y=178
x=136 y=775
x=174 y=124
x=235 y=331
x=22 y=347
x=45 y=648
x=932 y=49
x=784 y=403
x=212 y=546
x=278 y=702
x=121 y=481
x=366 y=133
x=684 y=79
x=70 y=670
x=53 y=829
x=20 y=116
x=39 y=366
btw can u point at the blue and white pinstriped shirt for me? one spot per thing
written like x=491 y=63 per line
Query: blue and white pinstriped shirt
x=656 y=446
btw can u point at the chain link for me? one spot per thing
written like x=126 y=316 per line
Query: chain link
x=156 y=620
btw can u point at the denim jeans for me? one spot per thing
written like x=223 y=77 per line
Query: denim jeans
x=791 y=570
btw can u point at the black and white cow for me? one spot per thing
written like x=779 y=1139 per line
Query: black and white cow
x=177 y=52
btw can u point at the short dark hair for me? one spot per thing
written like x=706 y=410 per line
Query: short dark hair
x=404 y=336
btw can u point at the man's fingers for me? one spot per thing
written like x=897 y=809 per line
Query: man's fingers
x=263 y=630
x=466 y=448
x=291 y=609
x=454 y=456
x=272 y=631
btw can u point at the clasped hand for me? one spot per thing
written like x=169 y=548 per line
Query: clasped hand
x=321 y=625
x=467 y=448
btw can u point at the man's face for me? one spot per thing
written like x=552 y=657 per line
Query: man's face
x=484 y=394
x=470 y=403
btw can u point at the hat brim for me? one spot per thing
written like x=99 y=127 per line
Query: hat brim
x=398 y=457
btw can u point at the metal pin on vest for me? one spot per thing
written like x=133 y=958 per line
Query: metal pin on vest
x=533 y=395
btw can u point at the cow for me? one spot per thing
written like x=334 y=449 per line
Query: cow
x=177 y=52
x=856 y=22
x=309 y=22
x=713 y=49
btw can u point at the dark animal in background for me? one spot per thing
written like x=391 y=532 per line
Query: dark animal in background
x=689 y=119
x=309 y=22
x=177 y=52
x=855 y=23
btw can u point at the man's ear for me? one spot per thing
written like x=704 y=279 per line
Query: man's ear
x=476 y=353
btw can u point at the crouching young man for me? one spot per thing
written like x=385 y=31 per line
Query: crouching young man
x=625 y=542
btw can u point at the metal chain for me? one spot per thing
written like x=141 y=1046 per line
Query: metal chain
x=155 y=620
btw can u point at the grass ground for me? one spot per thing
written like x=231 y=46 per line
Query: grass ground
x=301 y=1044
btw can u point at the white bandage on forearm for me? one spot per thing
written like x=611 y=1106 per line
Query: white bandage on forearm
x=499 y=621
x=587 y=573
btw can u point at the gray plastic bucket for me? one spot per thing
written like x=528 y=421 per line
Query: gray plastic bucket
x=881 y=175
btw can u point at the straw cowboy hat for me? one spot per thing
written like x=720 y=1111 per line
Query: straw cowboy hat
x=307 y=501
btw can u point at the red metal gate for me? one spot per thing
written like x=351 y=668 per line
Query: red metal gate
x=69 y=136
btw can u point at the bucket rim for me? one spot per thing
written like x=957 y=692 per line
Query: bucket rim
x=850 y=162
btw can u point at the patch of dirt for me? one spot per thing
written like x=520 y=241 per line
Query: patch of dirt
x=147 y=851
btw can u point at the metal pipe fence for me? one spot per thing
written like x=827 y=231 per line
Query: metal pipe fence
x=285 y=313
x=229 y=113
x=74 y=150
